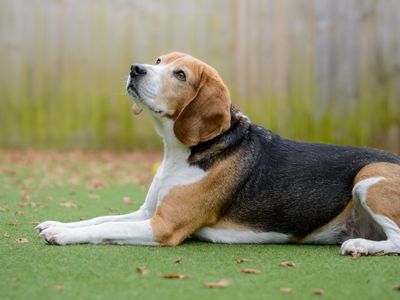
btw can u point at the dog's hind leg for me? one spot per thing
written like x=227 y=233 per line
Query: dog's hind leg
x=377 y=189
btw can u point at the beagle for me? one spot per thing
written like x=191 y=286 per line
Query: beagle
x=226 y=180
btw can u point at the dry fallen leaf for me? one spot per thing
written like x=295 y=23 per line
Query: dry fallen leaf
x=175 y=276
x=4 y=209
x=96 y=184
x=26 y=197
x=19 y=213
x=242 y=260
x=397 y=287
x=34 y=205
x=128 y=201
x=21 y=241
x=143 y=271
x=68 y=204
x=12 y=223
x=6 y=235
x=286 y=290
x=74 y=181
x=318 y=292
x=287 y=264
x=33 y=223
x=219 y=284
x=178 y=260
x=23 y=204
x=250 y=271
x=57 y=288
x=355 y=255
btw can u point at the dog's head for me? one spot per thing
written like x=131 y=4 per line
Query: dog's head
x=185 y=90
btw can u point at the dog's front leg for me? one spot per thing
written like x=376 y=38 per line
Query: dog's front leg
x=134 y=233
x=139 y=215
x=145 y=212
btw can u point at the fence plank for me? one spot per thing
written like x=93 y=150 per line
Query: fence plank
x=325 y=70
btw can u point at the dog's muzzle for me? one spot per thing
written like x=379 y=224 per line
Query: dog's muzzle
x=137 y=72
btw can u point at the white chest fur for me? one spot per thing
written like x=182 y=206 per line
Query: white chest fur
x=174 y=170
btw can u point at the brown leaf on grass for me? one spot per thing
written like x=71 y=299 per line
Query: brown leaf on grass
x=96 y=184
x=33 y=223
x=34 y=205
x=26 y=197
x=128 y=201
x=4 y=209
x=57 y=288
x=12 y=223
x=74 y=181
x=109 y=209
x=286 y=290
x=223 y=283
x=19 y=213
x=6 y=235
x=287 y=264
x=21 y=241
x=68 y=204
x=250 y=271
x=178 y=260
x=318 y=292
x=355 y=255
x=242 y=260
x=23 y=204
x=397 y=287
x=175 y=276
x=143 y=271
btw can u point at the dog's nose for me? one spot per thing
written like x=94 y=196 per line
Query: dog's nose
x=137 y=70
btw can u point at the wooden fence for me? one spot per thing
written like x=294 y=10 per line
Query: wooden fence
x=309 y=69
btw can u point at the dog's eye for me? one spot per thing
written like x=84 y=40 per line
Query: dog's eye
x=158 y=61
x=180 y=75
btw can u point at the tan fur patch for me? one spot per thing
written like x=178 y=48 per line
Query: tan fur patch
x=383 y=198
x=228 y=224
x=199 y=105
x=189 y=207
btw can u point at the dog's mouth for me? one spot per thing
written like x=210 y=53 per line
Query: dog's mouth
x=133 y=92
x=136 y=107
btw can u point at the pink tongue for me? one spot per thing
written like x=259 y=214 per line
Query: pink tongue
x=136 y=109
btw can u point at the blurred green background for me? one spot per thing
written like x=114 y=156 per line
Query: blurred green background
x=308 y=69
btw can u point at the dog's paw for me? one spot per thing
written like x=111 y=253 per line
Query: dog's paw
x=354 y=246
x=44 y=225
x=56 y=235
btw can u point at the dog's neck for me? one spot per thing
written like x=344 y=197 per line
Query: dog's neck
x=173 y=148
x=175 y=151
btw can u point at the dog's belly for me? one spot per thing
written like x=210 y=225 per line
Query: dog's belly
x=236 y=236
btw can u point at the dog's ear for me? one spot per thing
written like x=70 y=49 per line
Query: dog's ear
x=207 y=114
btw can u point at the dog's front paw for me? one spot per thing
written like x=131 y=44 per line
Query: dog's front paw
x=354 y=246
x=44 y=225
x=56 y=235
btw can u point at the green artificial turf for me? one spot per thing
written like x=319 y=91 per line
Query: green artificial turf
x=31 y=270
